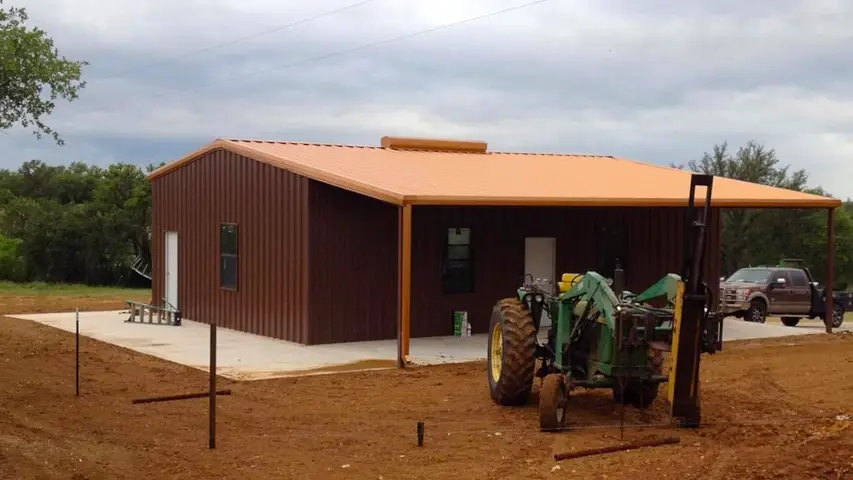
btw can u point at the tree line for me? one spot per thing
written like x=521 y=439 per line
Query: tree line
x=87 y=224
x=74 y=224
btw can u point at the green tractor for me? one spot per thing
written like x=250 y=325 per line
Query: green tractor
x=602 y=336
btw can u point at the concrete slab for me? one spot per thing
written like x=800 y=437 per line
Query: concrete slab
x=736 y=329
x=816 y=324
x=243 y=356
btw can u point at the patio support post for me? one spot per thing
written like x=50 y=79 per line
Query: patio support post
x=404 y=283
x=830 y=267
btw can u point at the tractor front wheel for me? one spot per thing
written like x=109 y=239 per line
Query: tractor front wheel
x=553 y=398
x=511 y=352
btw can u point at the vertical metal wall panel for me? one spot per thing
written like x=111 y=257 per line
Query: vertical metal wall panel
x=304 y=252
x=655 y=247
x=353 y=266
x=270 y=207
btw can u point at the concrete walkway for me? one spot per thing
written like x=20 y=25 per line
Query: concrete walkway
x=243 y=356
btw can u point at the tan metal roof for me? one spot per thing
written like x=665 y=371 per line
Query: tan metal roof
x=463 y=173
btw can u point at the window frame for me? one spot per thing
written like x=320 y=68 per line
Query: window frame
x=613 y=247
x=793 y=273
x=462 y=281
x=786 y=274
x=235 y=256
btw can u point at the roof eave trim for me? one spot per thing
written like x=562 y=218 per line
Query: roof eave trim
x=189 y=158
x=284 y=164
x=618 y=202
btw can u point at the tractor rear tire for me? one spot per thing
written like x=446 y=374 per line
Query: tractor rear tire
x=511 y=352
x=641 y=395
x=621 y=397
x=553 y=398
x=644 y=395
x=790 y=321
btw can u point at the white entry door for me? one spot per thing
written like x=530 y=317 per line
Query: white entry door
x=540 y=260
x=171 y=270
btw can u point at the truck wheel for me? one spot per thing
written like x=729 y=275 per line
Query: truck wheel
x=511 y=352
x=790 y=321
x=757 y=312
x=837 y=315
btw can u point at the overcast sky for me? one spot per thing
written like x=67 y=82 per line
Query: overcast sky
x=654 y=80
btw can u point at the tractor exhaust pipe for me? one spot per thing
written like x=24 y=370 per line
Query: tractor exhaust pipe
x=618 y=280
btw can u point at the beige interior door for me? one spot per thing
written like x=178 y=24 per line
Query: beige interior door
x=540 y=260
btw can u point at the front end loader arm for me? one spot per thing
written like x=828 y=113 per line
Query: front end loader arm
x=595 y=289
x=596 y=292
x=665 y=287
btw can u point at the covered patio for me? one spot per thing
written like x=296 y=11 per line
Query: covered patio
x=585 y=181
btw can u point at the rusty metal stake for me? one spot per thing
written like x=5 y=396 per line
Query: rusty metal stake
x=184 y=396
x=77 y=352
x=212 y=414
x=617 y=448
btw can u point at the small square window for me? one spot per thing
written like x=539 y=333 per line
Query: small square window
x=228 y=256
x=458 y=272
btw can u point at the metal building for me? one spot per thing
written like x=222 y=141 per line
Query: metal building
x=338 y=243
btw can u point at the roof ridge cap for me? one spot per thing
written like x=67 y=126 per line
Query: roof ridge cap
x=553 y=154
x=292 y=142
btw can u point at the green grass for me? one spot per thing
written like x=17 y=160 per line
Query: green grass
x=60 y=289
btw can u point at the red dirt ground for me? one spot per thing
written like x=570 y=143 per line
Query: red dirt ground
x=773 y=407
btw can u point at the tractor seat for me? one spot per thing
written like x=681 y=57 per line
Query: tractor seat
x=581 y=306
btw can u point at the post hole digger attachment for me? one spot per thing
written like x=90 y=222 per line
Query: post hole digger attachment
x=603 y=336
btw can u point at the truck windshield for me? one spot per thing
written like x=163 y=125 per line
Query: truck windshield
x=750 y=275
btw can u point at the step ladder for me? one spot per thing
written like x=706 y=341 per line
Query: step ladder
x=148 y=314
x=141 y=267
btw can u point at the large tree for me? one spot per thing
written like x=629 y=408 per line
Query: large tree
x=764 y=236
x=33 y=75
x=74 y=223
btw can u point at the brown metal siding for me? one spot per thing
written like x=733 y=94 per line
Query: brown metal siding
x=270 y=207
x=307 y=248
x=353 y=266
x=655 y=245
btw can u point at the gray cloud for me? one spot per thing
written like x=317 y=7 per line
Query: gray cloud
x=657 y=81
